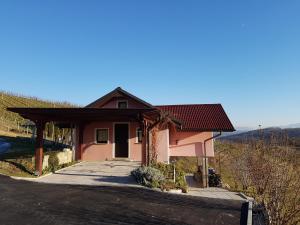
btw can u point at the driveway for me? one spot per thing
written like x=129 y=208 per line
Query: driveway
x=24 y=202
x=106 y=173
x=117 y=173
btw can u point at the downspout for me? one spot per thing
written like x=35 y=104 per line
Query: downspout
x=205 y=164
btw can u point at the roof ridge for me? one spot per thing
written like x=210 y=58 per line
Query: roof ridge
x=189 y=104
x=110 y=94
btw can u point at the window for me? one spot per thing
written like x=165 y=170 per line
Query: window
x=139 y=135
x=122 y=105
x=102 y=136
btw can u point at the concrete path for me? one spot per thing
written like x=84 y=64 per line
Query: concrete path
x=107 y=173
x=211 y=192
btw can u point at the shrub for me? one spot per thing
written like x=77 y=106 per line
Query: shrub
x=168 y=185
x=168 y=171
x=53 y=162
x=148 y=176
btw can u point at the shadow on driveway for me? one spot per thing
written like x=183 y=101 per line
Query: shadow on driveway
x=24 y=202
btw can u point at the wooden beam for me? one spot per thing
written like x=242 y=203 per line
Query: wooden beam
x=40 y=125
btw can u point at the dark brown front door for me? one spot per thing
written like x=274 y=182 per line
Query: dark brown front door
x=121 y=140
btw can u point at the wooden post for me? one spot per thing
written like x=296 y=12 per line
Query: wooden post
x=144 y=150
x=79 y=150
x=144 y=144
x=39 y=148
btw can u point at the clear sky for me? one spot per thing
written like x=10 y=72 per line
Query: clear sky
x=243 y=54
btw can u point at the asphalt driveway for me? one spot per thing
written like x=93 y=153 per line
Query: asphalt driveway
x=24 y=202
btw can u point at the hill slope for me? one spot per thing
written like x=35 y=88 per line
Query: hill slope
x=13 y=122
x=293 y=134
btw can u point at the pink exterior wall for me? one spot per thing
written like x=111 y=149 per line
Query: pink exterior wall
x=190 y=143
x=163 y=146
x=99 y=152
x=135 y=148
x=169 y=143
x=93 y=151
x=131 y=103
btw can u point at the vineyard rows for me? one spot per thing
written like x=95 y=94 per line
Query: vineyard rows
x=10 y=121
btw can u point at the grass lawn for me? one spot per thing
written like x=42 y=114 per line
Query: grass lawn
x=10 y=169
x=18 y=161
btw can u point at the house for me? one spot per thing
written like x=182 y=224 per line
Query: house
x=121 y=125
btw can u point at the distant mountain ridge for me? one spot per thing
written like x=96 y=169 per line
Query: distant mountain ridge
x=266 y=134
x=295 y=125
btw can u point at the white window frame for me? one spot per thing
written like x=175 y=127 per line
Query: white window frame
x=101 y=128
x=137 y=136
x=117 y=106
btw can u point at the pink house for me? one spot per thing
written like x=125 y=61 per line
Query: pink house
x=121 y=125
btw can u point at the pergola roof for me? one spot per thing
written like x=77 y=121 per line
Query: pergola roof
x=83 y=114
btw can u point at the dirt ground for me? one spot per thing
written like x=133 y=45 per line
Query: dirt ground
x=23 y=202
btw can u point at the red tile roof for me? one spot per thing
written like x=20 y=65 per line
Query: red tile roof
x=200 y=117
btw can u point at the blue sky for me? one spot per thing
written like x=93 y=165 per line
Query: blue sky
x=243 y=54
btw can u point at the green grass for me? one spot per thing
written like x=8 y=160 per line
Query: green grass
x=9 y=169
x=18 y=161
x=186 y=164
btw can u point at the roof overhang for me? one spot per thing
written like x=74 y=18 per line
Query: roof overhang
x=71 y=115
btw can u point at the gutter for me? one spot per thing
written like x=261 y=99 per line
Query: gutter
x=205 y=164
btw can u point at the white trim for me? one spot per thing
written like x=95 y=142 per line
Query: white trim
x=125 y=100
x=136 y=135
x=95 y=135
x=113 y=151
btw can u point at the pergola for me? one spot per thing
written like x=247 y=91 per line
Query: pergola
x=79 y=117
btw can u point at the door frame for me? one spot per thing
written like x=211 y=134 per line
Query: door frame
x=114 y=142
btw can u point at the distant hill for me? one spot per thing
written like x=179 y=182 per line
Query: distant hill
x=293 y=134
x=239 y=130
x=13 y=122
x=295 y=125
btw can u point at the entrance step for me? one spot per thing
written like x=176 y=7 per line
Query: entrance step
x=122 y=159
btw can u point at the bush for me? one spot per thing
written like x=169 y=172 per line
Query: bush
x=168 y=171
x=53 y=162
x=168 y=185
x=148 y=176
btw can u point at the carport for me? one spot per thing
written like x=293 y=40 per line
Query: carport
x=78 y=118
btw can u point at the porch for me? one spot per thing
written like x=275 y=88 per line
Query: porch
x=105 y=173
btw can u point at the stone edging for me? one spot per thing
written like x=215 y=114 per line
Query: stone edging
x=250 y=201
x=37 y=178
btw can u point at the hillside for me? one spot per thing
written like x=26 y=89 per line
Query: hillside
x=292 y=134
x=13 y=122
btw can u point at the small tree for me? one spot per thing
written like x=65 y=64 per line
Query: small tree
x=165 y=121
